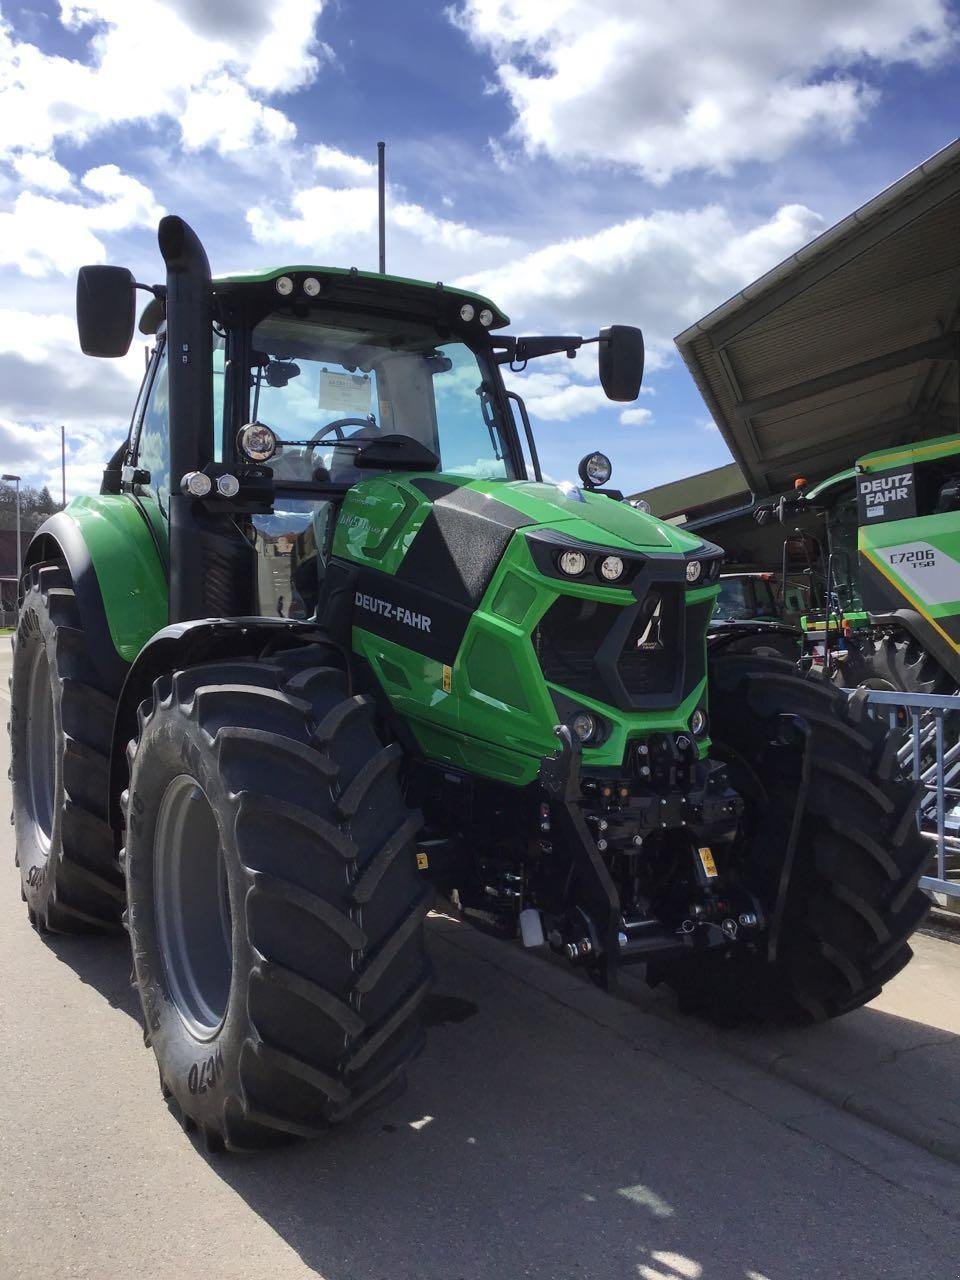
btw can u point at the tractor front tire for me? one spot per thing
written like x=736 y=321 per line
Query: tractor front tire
x=275 y=909
x=60 y=731
x=818 y=774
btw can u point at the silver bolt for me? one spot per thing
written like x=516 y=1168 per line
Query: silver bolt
x=749 y=920
x=729 y=927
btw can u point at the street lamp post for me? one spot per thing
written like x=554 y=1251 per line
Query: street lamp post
x=16 y=481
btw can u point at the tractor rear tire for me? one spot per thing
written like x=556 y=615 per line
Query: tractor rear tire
x=801 y=752
x=60 y=731
x=275 y=908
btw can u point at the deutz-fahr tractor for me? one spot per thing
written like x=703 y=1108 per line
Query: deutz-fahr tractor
x=327 y=643
x=889 y=617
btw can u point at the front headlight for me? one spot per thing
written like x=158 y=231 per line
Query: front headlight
x=694 y=570
x=572 y=563
x=611 y=568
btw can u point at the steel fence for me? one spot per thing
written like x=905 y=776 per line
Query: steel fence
x=931 y=754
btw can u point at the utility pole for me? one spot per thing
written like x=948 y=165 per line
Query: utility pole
x=63 y=464
x=382 y=205
x=16 y=481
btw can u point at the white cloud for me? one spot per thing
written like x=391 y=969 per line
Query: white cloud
x=41 y=234
x=342 y=165
x=694 y=84
x=147 y=60
x=661 y=272
x=342 y=221
x=42 y=173
x=634 y=417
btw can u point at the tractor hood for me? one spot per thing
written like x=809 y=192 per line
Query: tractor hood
x=593 y=517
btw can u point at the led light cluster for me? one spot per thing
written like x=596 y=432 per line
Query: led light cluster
x=284 y=285
x=703 y=570
x=574 y=564
x=468 y=311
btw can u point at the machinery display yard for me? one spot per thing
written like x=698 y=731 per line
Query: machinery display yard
x=549 y=1130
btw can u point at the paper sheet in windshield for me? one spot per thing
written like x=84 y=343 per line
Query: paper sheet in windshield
x=345 y=393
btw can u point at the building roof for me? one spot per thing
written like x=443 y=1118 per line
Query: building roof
x=701 y=493
x=848 y=346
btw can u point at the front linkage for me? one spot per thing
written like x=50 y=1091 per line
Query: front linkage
x=606 y=840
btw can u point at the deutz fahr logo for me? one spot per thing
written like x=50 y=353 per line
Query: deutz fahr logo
x=650 y=637
x=887 y=495
x=886 y=489
x=392 y=612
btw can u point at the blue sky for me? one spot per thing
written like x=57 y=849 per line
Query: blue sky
x=583 y=165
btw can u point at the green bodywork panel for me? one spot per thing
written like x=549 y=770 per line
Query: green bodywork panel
x=916 y=560
x=490 y=712
x=131 y=577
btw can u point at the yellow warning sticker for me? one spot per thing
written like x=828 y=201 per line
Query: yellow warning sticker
x=422 y=860
x=447 y=678
x=707 y=862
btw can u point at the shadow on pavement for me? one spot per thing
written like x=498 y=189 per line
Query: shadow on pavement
x=534 y=1142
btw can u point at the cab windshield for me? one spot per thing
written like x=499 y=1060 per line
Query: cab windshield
x=327 y=390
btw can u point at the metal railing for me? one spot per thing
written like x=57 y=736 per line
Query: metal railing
x=931 y=755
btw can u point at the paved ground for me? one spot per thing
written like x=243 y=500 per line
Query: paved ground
x=549 y=1131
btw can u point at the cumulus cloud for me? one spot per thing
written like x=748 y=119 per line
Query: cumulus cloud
x=161 y=59
x=44 y=234
x=635 y=417
x=340 y=222
x=662 y=272
x=695 y=84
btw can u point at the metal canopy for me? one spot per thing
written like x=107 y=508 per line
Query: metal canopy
x=850 y=345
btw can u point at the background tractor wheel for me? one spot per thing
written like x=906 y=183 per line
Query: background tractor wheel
x=801 y=752
x=274 y=904
x=60 y=729
x=895 y=662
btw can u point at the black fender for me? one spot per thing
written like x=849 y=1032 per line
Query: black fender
x=60 y=537
x=183 y=644
x=720 y=635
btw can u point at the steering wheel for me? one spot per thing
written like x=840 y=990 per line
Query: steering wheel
x=337 y=426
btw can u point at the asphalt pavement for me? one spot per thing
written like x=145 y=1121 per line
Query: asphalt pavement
x=549 y=1131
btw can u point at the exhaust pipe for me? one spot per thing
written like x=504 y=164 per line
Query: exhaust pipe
x=189 y=370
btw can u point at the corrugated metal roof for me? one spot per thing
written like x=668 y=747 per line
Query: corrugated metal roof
x=883 y=280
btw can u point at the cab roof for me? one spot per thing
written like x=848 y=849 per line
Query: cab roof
x=367 y=287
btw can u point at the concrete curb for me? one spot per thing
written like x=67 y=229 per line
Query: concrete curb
x=688 y=1044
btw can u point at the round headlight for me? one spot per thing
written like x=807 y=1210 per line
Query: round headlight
x=595 y=469
x=283 y=286
x=467 y=312
x=611 y=568
x=698 y=723
x=640 y=504
x=311 y=286
x=572 y=563
x=486 y=317
x=195 y=485
x=694 y=570
x=228 y=486
x=584 y=726
x=257 y=442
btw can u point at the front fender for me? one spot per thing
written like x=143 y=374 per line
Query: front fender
x=183 y=644
x=117 y=575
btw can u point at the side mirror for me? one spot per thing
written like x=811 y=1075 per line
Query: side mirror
x=621 y=361
x=106 y=310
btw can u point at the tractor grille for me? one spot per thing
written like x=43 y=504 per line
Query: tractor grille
x=649 y=655
x=569 y=635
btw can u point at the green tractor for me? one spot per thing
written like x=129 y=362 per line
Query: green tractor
x=889 y=616
x=326 y=643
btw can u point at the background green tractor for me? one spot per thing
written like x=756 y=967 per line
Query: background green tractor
x=326 y=642
x=889 y=615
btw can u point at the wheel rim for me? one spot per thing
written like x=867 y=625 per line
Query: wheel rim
x=192 y=907
x=41 y=739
